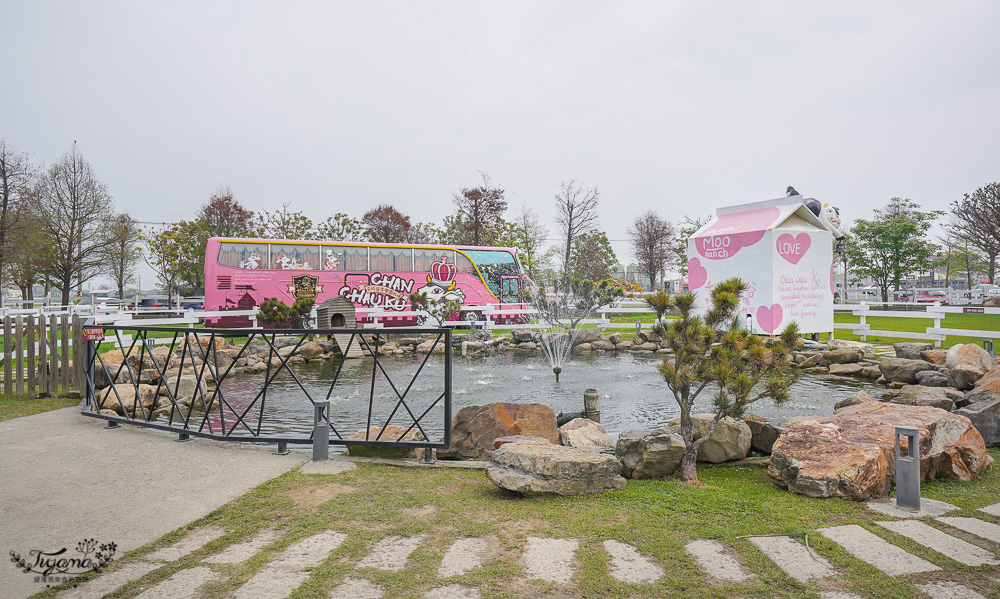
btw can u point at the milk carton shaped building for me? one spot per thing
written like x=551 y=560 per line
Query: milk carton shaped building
x=783 y=252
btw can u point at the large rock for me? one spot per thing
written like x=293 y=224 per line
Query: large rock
x=841 y=356
x=538 y=470
x=184 y=389
x=982 y=392
x=970 y=355
x=730 y=440
x=964 y=376
x=518 y=439
x=851 y=454
x=393 y=432
x=584 y=432
x=586 y=336
x=474 y=428
x=649 y=454
x=867 y=349
x=911 y=350
x=935 y=356
x=919 y=395
x=763 y=434
x=985 y=416
x=603 y=345
x=858 y=398
x=131 y=397
x=521 y=336
x=902 y=370
x=932 y=378
x=847 y=369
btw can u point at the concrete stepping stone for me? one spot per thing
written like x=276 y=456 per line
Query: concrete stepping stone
x=240 y=552
x=453 y=591
x=182 y=585
x=980 y=528
x=993 y=510
x=271 y=583
x=943 y=543
x=873 y=549
x=195 y=540
x=464 y=555
x=309 y=552
x=794 y=558
x=109 y=583
x=628 y=565
x=712 y=557
x=357 y=588
x=838 y=595
x=948 y=590
x=550 y=560
x=390 y=554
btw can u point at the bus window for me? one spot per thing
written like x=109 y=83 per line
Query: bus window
x=333 y=257
x=390 y=259
x=495 y=265
x=462 y=263
x=243 y=255
x=294 y=257
x=423 y=258
x=355 y=258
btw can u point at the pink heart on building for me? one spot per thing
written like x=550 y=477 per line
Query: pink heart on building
x=793 y=248
x=768 y=319
x=697 y=274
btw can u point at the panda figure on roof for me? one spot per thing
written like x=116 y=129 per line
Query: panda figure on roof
x=827 y=213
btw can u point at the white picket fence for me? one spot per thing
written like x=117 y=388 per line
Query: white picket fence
x=936 y=312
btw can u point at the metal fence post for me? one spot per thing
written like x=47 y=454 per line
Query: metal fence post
x=321 y=431
x=988 y=345
x=908 y=468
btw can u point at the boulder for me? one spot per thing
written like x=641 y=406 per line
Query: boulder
x=851 y=454
x=901 y=370
x=624 y=345
x=932 y=378
x=122 y=373
x=934 y=356
x=911 y=350
x=858 y=398
x=867 y=349
x=184 y=392
x=393 y=432
x=603 y=345
x=991 y=302
x=791 y=420
x=841 y=356
x=647 y=346
x=130 y=397
x=649 y=454
x=586 y=336
x=518 y=439
x=427 y=346
x=964 y=377
x=475 y=428
x=537 y=470
x=982 y=392
x=985 y=416
x=918 y=395
x=730 y=440
x=582 y=348
x=763 y=434
x=520 y=336
x=285 y=341
x=989 y=377
x=970 y=355
x=847 y=369
x=871 y=372
x=615 y=338
x=583 y=432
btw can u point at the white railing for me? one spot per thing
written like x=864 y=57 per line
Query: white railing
x=935 y=312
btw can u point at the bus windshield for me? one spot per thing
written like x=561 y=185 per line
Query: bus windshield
x=494 y=265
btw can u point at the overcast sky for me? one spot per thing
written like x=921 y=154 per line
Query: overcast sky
x=675 y=107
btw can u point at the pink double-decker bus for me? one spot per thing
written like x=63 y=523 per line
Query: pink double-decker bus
x=377 y=278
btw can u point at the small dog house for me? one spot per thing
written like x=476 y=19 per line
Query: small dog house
x=782 y=250
x=336 y=313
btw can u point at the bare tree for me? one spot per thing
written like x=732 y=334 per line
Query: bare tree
x=480 y=209
x=282 y=224
x=653 y=239
x=74 y=207
x=530 y=237
x=976 y=219
x=224 y=216
x=122 y=251
x=576 y=213
x=17 y=176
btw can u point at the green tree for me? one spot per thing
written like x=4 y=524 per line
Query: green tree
x=165 y=252
x=122 y=251
x=437 y=309
x=713 y=354
x=341 y=227
x=593 y=257
x=685 y=229
x=892 y=245
x=284 y=224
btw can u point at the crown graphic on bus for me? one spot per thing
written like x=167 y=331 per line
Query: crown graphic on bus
x=442 y=273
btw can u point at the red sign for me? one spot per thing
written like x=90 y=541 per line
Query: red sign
x=973 y=310
x=93 y=334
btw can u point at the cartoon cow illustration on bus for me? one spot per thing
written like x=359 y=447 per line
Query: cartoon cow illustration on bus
x=441 y=284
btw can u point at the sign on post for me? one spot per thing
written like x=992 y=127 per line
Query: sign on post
x=93 y=334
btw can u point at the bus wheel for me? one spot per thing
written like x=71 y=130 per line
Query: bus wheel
x=470 y=315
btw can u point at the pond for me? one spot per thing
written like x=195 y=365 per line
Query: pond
x=632 y=393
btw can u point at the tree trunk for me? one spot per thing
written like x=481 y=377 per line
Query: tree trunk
x=689 y=467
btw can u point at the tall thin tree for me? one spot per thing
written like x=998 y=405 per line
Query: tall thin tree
x=652 y=239
x=576 y=213
x=122 y=252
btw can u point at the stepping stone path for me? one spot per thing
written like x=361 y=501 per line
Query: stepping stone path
x=945 y=544
x=975 y=526
x=712 y=557
x=464 y=555
x=628 y=565
x=794 y=558
x=873 y=549
x=194 y=541
x=554 y=561
x=550 y=560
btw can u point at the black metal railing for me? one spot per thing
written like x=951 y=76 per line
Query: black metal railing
x=147 y=388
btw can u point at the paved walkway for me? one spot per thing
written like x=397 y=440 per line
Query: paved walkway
x=65 y=479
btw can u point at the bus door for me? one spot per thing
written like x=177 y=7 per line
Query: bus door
x=510 y=290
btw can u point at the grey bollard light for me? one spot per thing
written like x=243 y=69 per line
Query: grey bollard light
x=908 y=468
x=591 y=405
x=321 y=431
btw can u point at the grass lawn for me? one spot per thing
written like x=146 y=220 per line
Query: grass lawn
x=658 y=517
x=982 y=322
x=15 y=406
